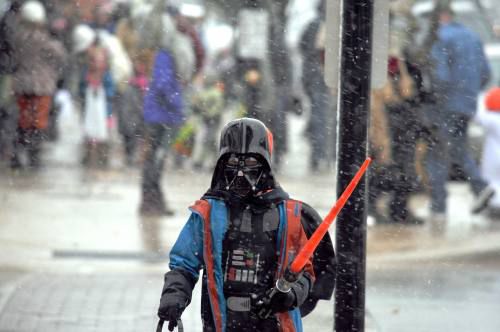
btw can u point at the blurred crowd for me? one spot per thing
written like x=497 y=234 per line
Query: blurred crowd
x=147 y=72
x=421 y=117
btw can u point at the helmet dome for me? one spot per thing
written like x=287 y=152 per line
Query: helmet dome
x=246 y=135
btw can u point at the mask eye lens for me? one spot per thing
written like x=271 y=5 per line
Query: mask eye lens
x=251 y=162
x=233 y=161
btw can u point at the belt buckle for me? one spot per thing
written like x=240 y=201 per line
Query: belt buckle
x=238 y=304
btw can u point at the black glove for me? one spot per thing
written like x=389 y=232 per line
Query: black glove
x=170 y=310
x=175 y=296
x=273 y=302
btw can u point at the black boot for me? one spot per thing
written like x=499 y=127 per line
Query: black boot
x=103 y=155
x=18 y=142
x=34 y=149
x=405 y=217
x=15 y=163
x=87 y=153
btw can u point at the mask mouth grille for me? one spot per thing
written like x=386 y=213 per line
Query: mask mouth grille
x=242 y=174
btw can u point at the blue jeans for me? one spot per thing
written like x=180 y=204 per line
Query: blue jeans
x=449 y=143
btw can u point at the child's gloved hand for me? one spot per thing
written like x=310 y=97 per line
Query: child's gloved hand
x=170 y=311
x=273 y=302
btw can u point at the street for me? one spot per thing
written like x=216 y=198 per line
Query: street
x=444 y=296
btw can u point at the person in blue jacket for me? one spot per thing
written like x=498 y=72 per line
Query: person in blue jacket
x=243 y=234
x=460 y=71
x=163 y=115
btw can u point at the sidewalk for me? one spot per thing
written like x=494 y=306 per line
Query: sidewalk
x=69 y=213
x=65 y=213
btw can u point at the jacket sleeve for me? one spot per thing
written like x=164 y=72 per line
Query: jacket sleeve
x=302 y=288
x=304 y=285
x=185 y=261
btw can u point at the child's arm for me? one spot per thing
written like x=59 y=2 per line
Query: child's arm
x=185 y=263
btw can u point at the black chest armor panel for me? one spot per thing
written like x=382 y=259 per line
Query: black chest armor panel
x=249 y=261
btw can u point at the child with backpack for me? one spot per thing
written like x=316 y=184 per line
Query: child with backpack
x=244 y=233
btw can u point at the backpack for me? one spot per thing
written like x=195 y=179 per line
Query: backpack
x=324 y=262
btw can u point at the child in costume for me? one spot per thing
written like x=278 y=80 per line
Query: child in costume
x=244 y=233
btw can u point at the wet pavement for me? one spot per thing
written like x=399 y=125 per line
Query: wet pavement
x=77 y=257
x=61 y=303
x=435 y=298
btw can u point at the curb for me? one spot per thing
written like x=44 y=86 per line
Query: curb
x=482 y=245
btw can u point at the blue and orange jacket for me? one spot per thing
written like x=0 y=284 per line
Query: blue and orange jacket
x=199 y=245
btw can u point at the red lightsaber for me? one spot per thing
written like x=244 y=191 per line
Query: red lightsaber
x=284 y=284
x=311 y=244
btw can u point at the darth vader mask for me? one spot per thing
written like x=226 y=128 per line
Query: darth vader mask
x=244 y=174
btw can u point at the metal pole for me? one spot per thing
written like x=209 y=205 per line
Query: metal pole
x=355 y=75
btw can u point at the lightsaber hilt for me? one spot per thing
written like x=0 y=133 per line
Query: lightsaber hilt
x=285 y=283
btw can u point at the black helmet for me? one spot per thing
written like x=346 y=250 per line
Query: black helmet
x=246 y=135
x=242 y=137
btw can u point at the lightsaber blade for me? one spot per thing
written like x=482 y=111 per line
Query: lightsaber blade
x=308 y=249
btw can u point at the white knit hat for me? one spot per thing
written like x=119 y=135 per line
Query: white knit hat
x=83 y=38
x=33 y=11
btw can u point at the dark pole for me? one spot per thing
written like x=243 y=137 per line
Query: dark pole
x=354 y=102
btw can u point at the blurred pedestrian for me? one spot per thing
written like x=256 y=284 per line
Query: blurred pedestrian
x=62 y=18
x=163 y=110
x=399 y=100
x=8 y=64
x=129 y=100
x=40 y=60
x=254 y=64
x=225 y=66
x=188 y=27
x=460 y=71
x=489 y=118
x=96 y=90
x=130 y=113
x=244 y=233
x=208 y=105
x=315 y=87
x=8 y=25
x=120 y=64
x=282 y=70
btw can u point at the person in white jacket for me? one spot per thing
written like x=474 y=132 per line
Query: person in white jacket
x=489 y=118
